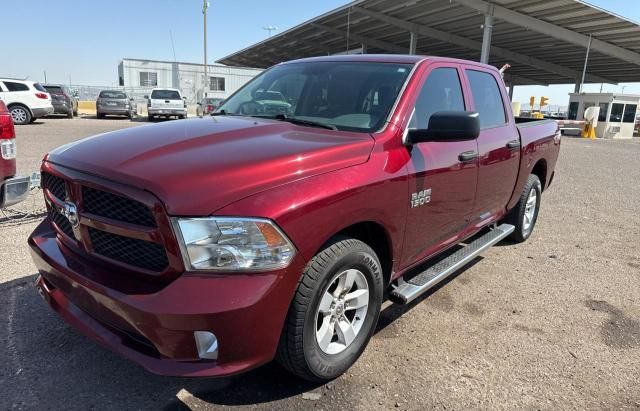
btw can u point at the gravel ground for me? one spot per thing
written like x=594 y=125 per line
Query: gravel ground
x=551 y=323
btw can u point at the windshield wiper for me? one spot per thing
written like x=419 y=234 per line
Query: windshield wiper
x=299 y=121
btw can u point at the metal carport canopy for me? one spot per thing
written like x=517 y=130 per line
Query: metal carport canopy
x=545 y=41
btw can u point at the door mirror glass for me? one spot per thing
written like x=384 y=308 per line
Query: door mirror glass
x=448 y=126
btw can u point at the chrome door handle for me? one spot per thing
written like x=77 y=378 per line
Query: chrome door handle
x=513 y=144
x=467 y=156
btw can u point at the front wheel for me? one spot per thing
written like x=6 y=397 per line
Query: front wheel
x=525 y=214
x=334 y=311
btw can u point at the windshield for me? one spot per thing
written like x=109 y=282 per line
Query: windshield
x=350 y=96
x=112 y=94
x=165 y=95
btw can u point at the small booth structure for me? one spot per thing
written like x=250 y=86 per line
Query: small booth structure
x=617 y=116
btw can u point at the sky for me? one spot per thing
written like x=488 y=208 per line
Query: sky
x=82 y=42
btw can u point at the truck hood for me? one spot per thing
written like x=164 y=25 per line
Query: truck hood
x=201 y=165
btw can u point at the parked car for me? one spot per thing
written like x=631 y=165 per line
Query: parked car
x=114 y=102
x=13 y=189
x=62 y=99
x=208 y=105
x=166 y=102
x=207 y=248
x=26 y=100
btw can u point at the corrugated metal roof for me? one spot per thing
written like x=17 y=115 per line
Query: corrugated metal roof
x=543 y=40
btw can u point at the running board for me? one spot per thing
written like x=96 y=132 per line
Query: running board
x=408 y=291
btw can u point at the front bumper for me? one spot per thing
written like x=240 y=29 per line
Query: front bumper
x=246 y=312
x=42 y=111
x=14 y=190
x=167 y=111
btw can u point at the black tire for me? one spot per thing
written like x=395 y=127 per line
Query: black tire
x=150 y=117
x=99 y=115
x=516 y=216
x=298 y=350
x=75 y=113
x=20 y=114
x=70 y=114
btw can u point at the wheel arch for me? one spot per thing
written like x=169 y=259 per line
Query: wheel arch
x=376 y=236
x=17 y=103
x=540 y=170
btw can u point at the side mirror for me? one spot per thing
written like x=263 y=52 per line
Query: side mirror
x=146 y=97
x=131 y=98
x=448 y=126
x=199 y=103
x=184 y=98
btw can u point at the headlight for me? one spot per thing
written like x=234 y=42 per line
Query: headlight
x=232 y=244
x=8 y=148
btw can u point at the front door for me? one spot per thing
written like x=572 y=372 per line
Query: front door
x=442 y=184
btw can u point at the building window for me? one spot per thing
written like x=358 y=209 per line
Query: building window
x=216 y=83
x=616 y=112
x=573 y=110
x=629 y=113
x=602 y=115
x=148 y=79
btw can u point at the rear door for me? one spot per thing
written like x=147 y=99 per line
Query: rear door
x=166 y=99
x=441 y=186
x=498 y=144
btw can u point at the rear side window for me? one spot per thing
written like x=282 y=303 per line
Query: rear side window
x=441 y=92
x=487 y=98
x=165 y=95
x=39 y=87
x=11 y=86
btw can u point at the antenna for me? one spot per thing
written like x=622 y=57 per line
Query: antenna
x=270 y=29
x=173 y=47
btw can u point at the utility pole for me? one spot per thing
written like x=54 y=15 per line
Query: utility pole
x=270 y=29
x=205 y=6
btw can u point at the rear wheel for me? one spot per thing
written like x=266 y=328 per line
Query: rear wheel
x=99 y=115
x=70 y=114
x=20 y=114
x=525 y=214
x=334 y=311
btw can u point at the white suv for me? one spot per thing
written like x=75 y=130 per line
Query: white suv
x=166 y=102
x=26 y=100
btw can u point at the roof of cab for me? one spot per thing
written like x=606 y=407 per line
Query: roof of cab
x=386 y=58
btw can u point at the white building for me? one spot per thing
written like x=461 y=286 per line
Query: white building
x=139 y=76
x=617 y=116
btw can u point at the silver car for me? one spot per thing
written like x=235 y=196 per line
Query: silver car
x=114 y=102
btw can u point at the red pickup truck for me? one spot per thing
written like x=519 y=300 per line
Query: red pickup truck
x=13 y=189
x=277 y=227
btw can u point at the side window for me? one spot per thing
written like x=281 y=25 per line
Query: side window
x=573 y=110
x=629 y=115
x=441 y=92
x=487 y=99
x=11 y=86
x=616 y=112
x=602 y=115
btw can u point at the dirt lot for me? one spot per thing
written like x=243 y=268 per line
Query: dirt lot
x=552 y=323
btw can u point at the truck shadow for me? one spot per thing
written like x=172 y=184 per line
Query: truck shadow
x=48 y=365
